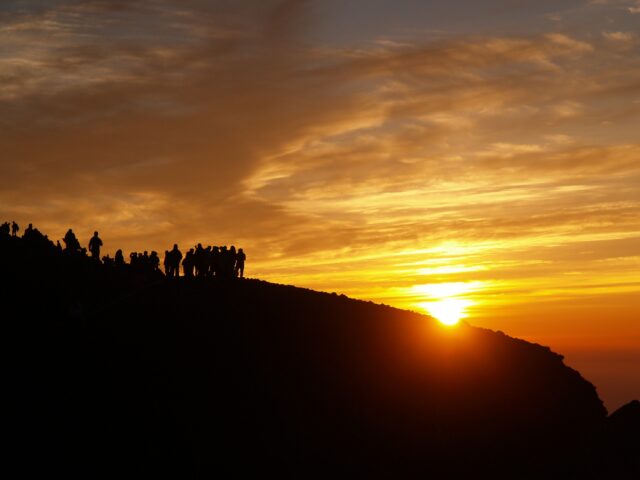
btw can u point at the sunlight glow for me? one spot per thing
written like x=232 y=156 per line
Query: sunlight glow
x=446 y=290
x=448 y=311
x=446 y=304
x=449 y=269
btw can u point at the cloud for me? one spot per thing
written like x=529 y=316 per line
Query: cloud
x=626 y=38
x=157 y=122
x=632 y=6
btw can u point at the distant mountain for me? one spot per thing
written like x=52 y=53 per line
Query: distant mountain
x=120 y=373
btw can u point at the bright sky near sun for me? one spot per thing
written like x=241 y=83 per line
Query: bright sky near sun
x=469 y=159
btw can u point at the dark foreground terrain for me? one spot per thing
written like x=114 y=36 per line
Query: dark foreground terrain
x=113 y=373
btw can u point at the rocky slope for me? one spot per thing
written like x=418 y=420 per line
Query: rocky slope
x=122 y=373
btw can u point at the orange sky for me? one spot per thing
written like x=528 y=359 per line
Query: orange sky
x=397 y=151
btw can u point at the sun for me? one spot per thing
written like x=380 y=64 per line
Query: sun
x=446 y=302
x=448 y=311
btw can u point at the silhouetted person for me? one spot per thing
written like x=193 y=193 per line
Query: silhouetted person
x=154 y=261
x=4 y=229
x=187 y=264
x=167 y=262
x=215 y=261
x=28 y=233
x=208 y=261
x=175 y=256
x=223 y=264
x=240 y=259
x=199 y=261
x=119 y=259
x=94 y=246
x=14 y=228
x=231 y=262
x=70 y=241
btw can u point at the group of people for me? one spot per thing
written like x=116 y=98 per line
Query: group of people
x=198 y=262
x=210 y=261
x=12 y=227
x=30 y=234
x=72 y=245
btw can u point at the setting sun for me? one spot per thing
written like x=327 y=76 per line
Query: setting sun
x=445 y=300
x=448 y=311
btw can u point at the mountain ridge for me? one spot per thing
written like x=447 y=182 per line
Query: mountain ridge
x=123 y=371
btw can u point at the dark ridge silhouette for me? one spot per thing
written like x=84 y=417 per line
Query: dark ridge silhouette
x=621 y=442
x=123 y=373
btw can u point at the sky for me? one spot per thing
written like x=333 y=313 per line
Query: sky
x=474 y=158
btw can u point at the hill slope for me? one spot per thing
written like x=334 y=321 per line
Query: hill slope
x=126 y=373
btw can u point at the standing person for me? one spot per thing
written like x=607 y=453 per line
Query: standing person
x=231 y=267
x=215 y=262
x=225 y=268
x=208 y=262
x=144 y=261
x=187 y=264
x=70 y=241
x=119 y=260
x=154 y=261
x=240 y=258
x=167 y=263
x=14 y=228
x=94 y=246
x=199 y=261
x=174 y=265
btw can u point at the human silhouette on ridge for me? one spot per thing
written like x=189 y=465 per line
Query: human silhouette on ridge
x=173 y=258
x=70 y=240
x=119 y=259
x=240 y=259
x=94 y=246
